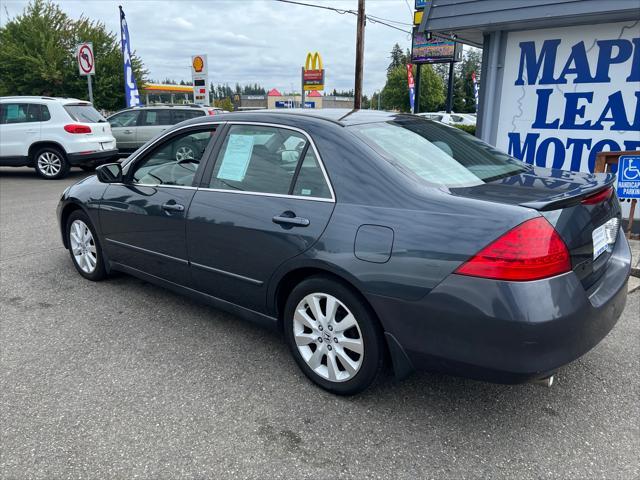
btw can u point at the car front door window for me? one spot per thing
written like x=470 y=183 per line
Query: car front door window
x=174 y=162
x=124 y=119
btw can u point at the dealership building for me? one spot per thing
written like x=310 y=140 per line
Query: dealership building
x=560 y=78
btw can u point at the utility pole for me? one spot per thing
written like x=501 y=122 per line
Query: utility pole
x=357 y=101
x=450 y=89
x=302 y=88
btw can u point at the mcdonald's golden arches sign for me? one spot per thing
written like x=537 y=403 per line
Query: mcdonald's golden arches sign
x=313 y=73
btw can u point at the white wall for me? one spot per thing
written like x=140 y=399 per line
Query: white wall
x=602 y=90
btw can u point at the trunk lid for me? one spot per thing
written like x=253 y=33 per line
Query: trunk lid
x=560 y=197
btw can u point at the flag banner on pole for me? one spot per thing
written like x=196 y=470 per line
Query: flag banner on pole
x=130 y=88
x=475 y=88
x=412 y=87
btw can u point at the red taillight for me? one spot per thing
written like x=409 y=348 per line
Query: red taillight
x=598 y=197
x=530 y=251
x=74 y=128
x=212 y=111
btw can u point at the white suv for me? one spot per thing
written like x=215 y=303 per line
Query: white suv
x=53 y=134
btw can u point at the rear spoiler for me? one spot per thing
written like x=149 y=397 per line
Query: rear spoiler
x=573 y=197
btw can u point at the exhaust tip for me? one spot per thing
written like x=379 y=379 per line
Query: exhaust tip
x=545 y=382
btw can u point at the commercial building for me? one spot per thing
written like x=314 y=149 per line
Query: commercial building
x=274 y=99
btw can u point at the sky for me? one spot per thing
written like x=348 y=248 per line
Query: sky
x=249 y=41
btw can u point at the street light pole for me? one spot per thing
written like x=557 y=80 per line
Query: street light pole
x=357 y=101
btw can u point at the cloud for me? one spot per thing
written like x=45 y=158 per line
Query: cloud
x=184 y=23
x=249 y=41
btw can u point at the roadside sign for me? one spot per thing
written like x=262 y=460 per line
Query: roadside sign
x=86 y=60
x=199 y=65
x=313 y=73
x=421 y=4
x=284 y=103
x=200 y=78
x=629 y=176
x=426 y=48
x=417 y=17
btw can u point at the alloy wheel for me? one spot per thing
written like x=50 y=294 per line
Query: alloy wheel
x=49 y=163
x=184 y=152
x=328 y=337
x=83 y=246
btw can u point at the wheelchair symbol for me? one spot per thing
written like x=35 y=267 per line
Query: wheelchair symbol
x=632 y=172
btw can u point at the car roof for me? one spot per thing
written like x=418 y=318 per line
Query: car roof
x=338 y=116
x=40 y=99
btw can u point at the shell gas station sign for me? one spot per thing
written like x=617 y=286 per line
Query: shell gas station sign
x=200 y=77
x=313 y=73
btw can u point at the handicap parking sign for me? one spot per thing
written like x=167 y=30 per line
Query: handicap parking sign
x=629 y=176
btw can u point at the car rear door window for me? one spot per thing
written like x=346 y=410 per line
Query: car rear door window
x=258 y=159
x=183 y=114
x=156 y=117
x=44 y=113
x=175 y=162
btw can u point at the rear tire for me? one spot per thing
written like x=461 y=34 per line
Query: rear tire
x=50 y=163
x=333 y=335
x=84 y=247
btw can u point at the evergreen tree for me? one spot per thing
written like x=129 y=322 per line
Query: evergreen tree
x=37 y=57
x=398 y=58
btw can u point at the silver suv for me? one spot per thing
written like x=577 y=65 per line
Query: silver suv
x=134 y=127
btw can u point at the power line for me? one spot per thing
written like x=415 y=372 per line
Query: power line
x=372 y=18
x=409 y=7
x=337 y=10
x=391 y=21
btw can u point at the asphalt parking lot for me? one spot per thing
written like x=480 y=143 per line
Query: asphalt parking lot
x=122 y=379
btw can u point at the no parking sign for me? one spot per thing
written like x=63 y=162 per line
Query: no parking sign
x=86 y=60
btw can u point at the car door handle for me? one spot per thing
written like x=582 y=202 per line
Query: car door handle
x=128 y=132
x=173 y=207
x=289 y=218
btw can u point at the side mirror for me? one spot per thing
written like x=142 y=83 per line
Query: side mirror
x=109 y=173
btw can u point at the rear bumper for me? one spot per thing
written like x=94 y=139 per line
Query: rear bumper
x=92 y=157
x=507 y=332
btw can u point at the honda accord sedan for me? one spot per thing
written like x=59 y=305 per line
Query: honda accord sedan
x=365 y=237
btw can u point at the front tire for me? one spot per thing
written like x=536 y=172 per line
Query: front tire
x=333 y=335
x=50 y=163
x=84 y=247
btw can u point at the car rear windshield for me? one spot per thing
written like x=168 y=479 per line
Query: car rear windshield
x=437 y=153
x=84 y=113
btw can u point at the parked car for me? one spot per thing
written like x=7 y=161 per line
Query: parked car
x=450 y=118
x=53 y=134
x=364 y=236
x=133 y=127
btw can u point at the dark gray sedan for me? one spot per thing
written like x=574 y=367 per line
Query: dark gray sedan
x=365 y=237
